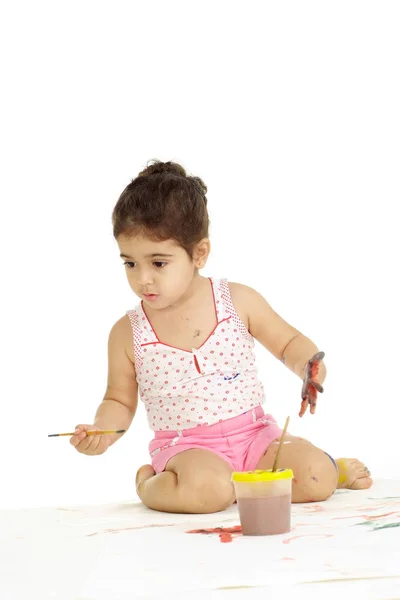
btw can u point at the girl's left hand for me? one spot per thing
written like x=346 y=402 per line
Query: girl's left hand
x=310 y=384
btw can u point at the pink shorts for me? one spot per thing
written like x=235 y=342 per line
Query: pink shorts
x=240 y=441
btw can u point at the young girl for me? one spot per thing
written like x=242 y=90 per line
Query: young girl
x=188 y=349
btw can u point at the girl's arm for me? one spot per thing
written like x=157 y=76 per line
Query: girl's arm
x=298 y=352
x=119 y=404
x=284 y=341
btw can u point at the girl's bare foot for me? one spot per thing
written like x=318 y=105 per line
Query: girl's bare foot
x=353 y=474
x=145 y=472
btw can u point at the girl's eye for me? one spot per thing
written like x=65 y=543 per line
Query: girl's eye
x=159 y=264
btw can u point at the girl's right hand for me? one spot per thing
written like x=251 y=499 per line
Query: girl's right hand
x=91 y=445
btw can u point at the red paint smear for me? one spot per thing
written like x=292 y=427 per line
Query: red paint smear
x=225 y=533
x=296 y=537
x=313 y=508
x=380 y=516
x=369 y=517
x=294 y=480
x=315 y=369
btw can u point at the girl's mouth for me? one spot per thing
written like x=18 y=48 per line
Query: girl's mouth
x=150 y=296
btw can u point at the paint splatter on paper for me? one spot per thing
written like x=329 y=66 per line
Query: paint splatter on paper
x=387 y=526
x=225 y=533
x=297 y=537
x=118 y=530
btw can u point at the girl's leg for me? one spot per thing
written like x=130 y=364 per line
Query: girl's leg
x=194 y=481
x=316 y=474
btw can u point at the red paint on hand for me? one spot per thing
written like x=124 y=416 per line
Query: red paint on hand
x=311 y=384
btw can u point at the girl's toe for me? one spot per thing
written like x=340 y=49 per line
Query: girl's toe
x=362 y=483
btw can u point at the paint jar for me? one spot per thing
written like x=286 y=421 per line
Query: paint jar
x=264 y=500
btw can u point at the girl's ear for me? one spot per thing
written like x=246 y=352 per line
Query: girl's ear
x=201 y=252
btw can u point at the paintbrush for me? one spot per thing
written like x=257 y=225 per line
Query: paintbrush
x=92 y=432
x=280 y=444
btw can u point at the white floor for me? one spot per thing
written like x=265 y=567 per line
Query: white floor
x=347 y=545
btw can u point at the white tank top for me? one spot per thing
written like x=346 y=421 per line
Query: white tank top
x=183 y=389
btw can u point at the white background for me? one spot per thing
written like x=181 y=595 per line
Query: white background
x=289 y=111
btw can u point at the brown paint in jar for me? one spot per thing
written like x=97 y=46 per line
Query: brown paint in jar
x=264 y=500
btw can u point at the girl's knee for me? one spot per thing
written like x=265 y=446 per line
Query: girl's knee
x=315 y=478
x=208 y=495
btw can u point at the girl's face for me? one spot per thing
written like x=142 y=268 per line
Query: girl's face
x=160 y=273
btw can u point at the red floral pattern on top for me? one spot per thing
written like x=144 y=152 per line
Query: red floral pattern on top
x=217 y=381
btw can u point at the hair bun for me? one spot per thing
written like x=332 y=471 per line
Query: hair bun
x=199 y=185
x=163 y=167
x=159 y=167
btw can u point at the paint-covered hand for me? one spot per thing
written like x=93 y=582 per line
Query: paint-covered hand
x=310 y=384
x=91 y=445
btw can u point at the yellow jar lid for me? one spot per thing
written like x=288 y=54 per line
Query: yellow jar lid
x=259 y=475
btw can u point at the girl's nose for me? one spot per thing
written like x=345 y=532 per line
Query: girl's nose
x=145 y=279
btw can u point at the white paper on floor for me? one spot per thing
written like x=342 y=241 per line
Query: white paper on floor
x=351 y=536
x=116 y=552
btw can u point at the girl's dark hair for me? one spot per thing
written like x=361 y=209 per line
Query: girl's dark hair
x=163 y=203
